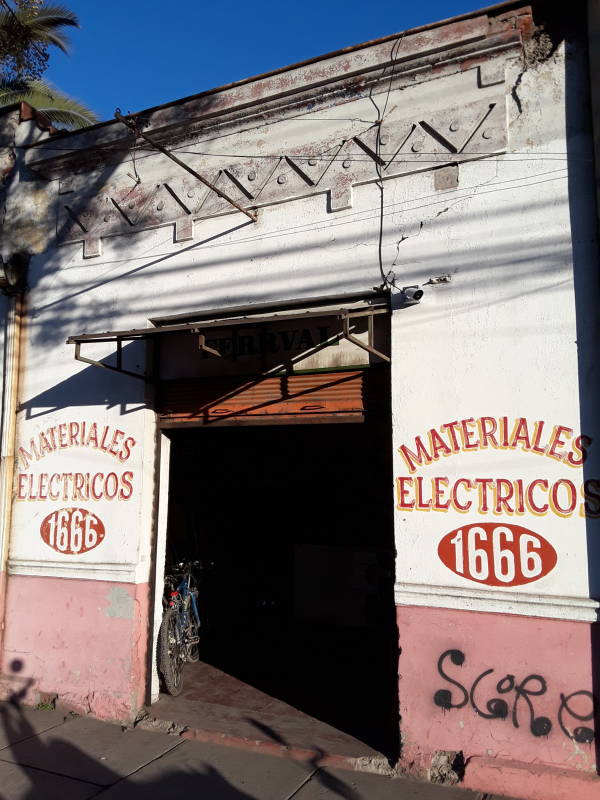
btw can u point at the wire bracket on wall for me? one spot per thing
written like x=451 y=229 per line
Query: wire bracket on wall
x=119 y=358
x=346 y=317
x=133 y=126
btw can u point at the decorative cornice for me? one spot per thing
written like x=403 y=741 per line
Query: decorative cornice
x=121 y=573
x=406 y=145
x=499 y=602
x=340 y=76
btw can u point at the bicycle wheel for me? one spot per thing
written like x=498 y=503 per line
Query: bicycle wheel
x=170 y=655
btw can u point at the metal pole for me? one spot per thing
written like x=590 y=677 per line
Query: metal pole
x=133 y=126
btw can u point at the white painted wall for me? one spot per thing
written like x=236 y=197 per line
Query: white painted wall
x=499 y=339
x=502 y=339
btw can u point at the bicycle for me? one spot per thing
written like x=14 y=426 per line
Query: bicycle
x=179 y=633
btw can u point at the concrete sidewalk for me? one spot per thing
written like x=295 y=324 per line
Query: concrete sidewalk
x=46 y=756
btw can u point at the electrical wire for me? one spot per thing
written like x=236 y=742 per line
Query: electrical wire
x=356 y=218
x=310 y=227
x=388 y=279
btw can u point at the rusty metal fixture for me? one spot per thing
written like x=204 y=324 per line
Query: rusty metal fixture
x=197 y=327
x=133 y=126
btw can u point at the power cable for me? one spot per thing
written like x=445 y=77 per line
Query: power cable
x=410 y=205
x=310 y=227
x=388 y=279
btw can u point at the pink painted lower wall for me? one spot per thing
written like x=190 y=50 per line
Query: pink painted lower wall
x=514 y=694
x=82 y=640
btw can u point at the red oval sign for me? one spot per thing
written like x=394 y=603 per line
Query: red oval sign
x=497 y=554
x=72 y=531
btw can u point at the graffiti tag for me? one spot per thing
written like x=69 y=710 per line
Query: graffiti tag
x=516 y=700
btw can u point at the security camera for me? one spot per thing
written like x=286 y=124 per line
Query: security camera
x=411 y=294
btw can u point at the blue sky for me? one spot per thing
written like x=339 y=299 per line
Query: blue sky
x=140 y=53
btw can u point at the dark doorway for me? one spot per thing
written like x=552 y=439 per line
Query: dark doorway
x=297 y=523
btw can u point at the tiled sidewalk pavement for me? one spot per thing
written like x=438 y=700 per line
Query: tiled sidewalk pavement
x=44 y=756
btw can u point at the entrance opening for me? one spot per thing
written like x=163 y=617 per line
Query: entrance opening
x=294 y=526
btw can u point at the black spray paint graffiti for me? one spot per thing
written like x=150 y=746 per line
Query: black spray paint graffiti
x=521 y=694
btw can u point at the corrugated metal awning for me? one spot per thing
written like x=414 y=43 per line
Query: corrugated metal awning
x=345 y=308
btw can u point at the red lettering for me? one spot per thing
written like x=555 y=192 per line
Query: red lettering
x=54 y=494
x=438 y=445
x=520 y=507
x=413 y=460
x=43 y=486
x=504 y=431
x=419 y=504
x=487 y=428
x=482 y=484
x=117 y=436
x=44 y=444
x=78 y=484
x=521 y=435
x=95 y=494
x=26 y=456
x=529 y=495
x=127 y=486
x=468 y=485
x=537 y=435
x=103 y=445
x=62 y=436
x=110 y=494
x=128 y=445
x=504 y=492
x=451 y=428
x=557 y=441
x=467 y=434
x=22 y=490
x=73 y=433
x=92 y=437
x=438 y=504
x=572 y=491
x=580 y=447
x=402 y=490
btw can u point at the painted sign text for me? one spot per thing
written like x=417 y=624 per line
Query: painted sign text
x=497 y=555
x=72 y=531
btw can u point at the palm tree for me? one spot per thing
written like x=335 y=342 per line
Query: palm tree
x=56 y=105
x=26 y=33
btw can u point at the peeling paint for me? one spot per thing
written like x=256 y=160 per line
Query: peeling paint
x=120 y=603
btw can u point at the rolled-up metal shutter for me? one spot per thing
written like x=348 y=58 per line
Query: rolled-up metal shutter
x=307 y=397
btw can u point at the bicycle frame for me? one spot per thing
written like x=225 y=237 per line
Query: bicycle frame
x=177 y=599
x=184 y=590
x=179 y=633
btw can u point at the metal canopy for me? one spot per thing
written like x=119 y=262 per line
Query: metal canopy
x=345 y=314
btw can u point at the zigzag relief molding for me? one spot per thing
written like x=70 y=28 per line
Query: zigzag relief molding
x=453 y=135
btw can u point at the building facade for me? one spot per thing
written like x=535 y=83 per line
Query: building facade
x=361 y=361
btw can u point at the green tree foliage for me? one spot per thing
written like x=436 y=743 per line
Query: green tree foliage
x=28 y=29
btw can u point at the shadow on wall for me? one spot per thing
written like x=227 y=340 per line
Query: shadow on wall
x=92 y=386
x=55 y=767
x=585 y=254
